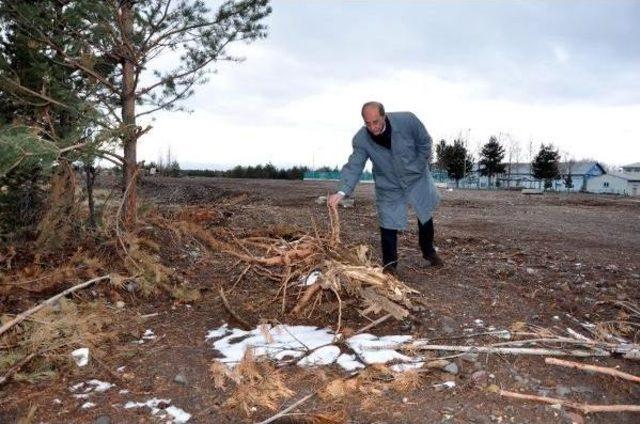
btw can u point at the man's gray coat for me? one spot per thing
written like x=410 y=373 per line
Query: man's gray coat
x=401 y=174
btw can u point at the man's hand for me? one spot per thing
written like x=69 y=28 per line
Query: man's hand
x=334 y=199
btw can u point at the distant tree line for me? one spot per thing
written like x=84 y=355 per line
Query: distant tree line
x=268 y=171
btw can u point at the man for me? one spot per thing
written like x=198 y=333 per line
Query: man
x=399 y=147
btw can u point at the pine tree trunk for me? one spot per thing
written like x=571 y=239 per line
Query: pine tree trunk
x=129 y=136
x=90 y=173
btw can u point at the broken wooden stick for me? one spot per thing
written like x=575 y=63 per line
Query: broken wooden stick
x=246 y=326
x=585 y=408
x=286 y=410
x=594 y=368
x=513 y=350
x=24 y=315
x=306 y=298
x=374 y=323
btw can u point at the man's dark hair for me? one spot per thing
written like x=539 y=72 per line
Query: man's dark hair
x=376 y=104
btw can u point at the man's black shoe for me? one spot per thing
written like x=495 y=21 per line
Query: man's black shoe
x=434 y=259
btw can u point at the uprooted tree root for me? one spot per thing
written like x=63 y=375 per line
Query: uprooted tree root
x=310 y=265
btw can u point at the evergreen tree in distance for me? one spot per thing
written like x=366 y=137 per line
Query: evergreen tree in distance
x=491 y=158
x=545 y=165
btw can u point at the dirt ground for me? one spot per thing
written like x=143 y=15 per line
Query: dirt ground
x=542 y=260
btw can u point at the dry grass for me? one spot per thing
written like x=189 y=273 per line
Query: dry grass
x=50 y=334
x=255 y=384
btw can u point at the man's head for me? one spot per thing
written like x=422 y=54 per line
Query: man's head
x=373 y=115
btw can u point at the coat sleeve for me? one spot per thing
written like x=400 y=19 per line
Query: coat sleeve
x=352 y=170
x=423 y=140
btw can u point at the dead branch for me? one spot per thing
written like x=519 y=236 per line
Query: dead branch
x=17 y=367
x=233 y=313
x=585 y=408
x=24 y=315
x=513 y=350
x=593 y=368
x=247 y=268
x=306 y=298
x=374 y=323
x=287 y=409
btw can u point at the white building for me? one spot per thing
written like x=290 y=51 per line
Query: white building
x=608 y=183
x=632 y=168
x=520 y=175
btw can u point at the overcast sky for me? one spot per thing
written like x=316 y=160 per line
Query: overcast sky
x=561 y=72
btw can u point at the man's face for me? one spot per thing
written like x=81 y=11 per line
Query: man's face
x=373 y=120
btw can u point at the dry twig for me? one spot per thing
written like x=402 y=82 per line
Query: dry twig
x=585 y=408
x=286 y=410
x=593 y=368
x=234 y=314
x=24 y=315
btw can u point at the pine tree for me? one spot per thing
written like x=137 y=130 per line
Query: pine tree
x=545 y=165
x=491 y=158
x=454 y=159
x=111 y=46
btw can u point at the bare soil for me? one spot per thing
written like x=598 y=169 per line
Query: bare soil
x=543 y=260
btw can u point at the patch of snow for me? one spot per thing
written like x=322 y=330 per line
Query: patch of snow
x=82 y=396
x=378 y=350
x=148 y=335
x=310 y=346
x=311 y=279
x=325 y=355
x=445 y=385
x=177 y=415
x=218 y=332
x=349 y=362
x=88 y=405
x=100 y=386
x=81 y=356
x=293 y=341
x=406 y=366
x=57 y=401
x=123 y=391
x=75 y=387
x=478 y=322
x=121 y=369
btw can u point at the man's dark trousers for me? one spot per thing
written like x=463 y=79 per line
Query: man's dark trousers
x=389 y=239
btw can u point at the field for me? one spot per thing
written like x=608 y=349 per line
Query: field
x=512 y=261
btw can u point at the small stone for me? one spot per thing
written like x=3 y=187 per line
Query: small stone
x=480 y=378
x=522 y=381
x=469 y=357
x=103 y=419
x=451 y=368
x=321 y=200
x=132 y=286
x=583 y=390
x=349 y=202
x=448 y=324
x=562 y=390
x=120 y=304
x=574 y=418
x=55 y=307
x=180 y=379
